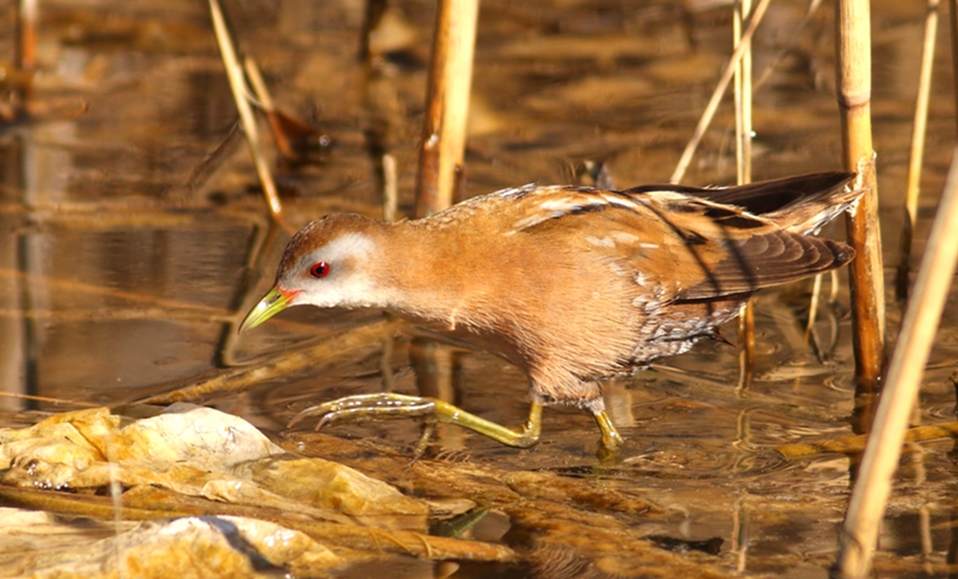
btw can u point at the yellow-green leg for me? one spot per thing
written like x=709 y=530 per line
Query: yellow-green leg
x=390 y=405
x=611 y=439
x=363 y=407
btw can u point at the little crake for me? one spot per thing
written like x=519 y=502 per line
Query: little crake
x=570 y=284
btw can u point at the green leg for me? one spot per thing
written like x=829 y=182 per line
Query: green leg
x=611 y=439
x=389 y=405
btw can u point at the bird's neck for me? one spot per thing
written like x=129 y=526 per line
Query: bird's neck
x=427 y=271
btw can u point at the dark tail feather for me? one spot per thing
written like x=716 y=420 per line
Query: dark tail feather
x=799 y=204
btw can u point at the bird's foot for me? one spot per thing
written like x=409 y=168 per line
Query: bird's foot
x=362 y=407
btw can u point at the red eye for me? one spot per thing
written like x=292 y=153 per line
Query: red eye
x=319 y=269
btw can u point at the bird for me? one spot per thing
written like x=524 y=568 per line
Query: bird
x=571 y=284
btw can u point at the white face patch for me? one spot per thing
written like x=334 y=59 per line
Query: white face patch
x=348 y=283
x=349 y=244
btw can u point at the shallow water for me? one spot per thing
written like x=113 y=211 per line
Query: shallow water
x=123 y=256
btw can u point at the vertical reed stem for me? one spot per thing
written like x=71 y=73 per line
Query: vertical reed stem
x=854 y=102
x=743 y=170
x=917 y=149
x=447 y=104
x=953 y=18
x=26 y=30
x=25 y=47
x=390 y=188
x=743 y=96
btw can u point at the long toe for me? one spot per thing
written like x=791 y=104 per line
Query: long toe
x=362 y=407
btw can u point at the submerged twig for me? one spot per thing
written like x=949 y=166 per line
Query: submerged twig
x=262 y=239
x=313 y=357
x=746 y=355
x=856 y=444
x=212 y=161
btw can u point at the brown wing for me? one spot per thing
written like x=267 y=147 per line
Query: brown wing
x=695 y=248
x=753 y=252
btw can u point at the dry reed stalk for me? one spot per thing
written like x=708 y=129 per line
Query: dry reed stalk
x=266 y=104
x=371 y=19
x=390 y=188
x=447 y=105
x=864 y=233
x=234 y=73
x=917 y=149
x=25 y=55
x=743 y=96
x=26 y=31
x=716 y=97
x=743 y=170
x=883 y=449
x=953 y=19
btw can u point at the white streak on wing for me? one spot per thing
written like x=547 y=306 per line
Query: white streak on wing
x=534 y=220
x=600 y=241
x=559 y=207
x=514 y=191
x=619 y=201
x=625 y=237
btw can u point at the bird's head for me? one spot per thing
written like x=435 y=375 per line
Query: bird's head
x=326 y=264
